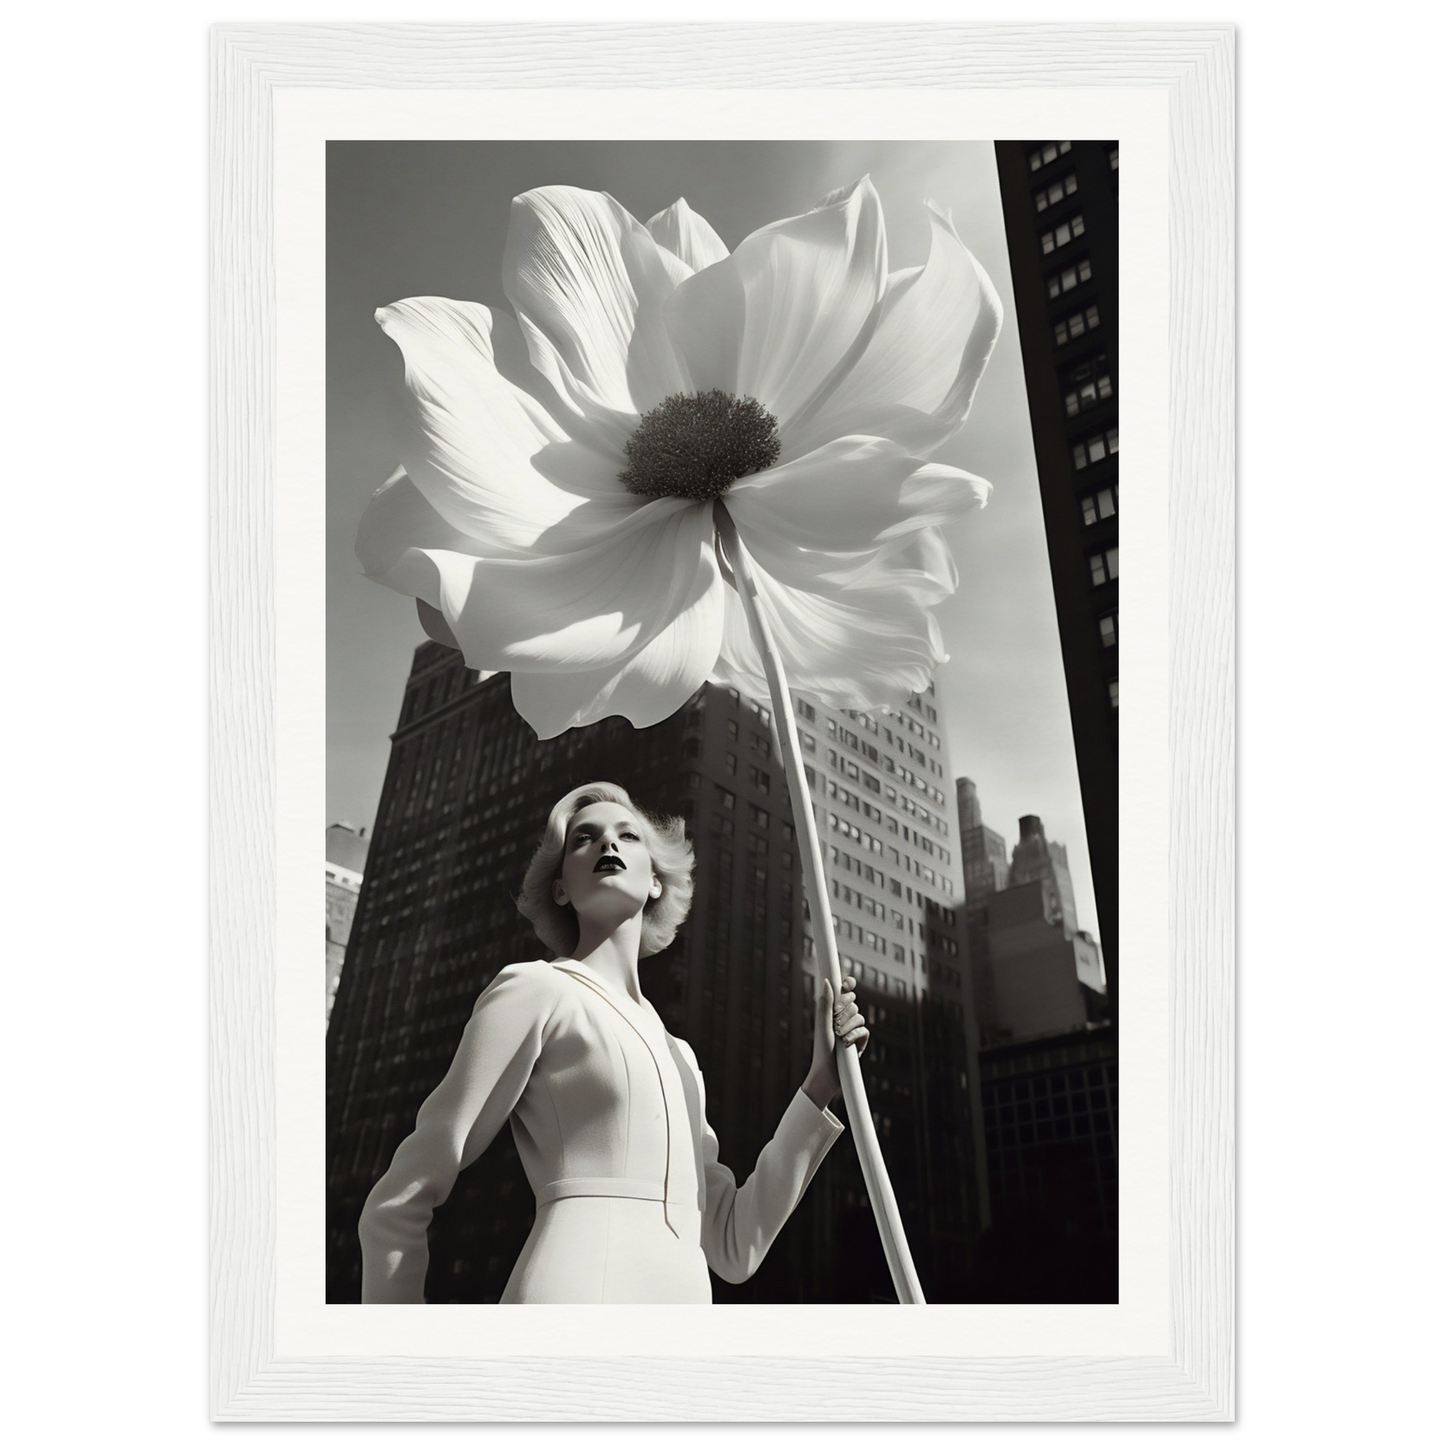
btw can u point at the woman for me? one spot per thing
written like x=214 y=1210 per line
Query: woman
x=607 y=1108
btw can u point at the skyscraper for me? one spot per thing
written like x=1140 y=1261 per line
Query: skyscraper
x=1041 y=976
x=1061 y=215
x=895 y=871
x=984 y=853
x=1035 y=971
x=1038 y=860
x=1049 y=1077
x=467 y=790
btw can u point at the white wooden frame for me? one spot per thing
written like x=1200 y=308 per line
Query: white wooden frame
x=1193 y=1382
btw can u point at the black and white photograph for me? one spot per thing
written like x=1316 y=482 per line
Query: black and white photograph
x=722 y=722
x=702 y=735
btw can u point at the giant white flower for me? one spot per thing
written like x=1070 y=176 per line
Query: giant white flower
x=554 y=513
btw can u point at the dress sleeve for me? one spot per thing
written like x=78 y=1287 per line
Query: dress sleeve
x=459 y=1118
x=740 y=1222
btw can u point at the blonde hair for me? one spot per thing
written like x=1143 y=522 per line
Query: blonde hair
x=667 y=846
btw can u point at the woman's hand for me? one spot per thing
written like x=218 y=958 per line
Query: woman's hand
x=841 y=1021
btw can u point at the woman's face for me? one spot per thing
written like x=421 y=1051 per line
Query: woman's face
x=606 y=869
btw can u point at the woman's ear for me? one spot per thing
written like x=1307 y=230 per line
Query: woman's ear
x=656 y=890
x=559 y=895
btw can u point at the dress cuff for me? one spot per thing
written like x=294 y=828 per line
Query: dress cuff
x=822 y=1121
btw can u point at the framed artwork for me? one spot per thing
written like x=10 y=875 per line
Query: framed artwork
x=356 y=164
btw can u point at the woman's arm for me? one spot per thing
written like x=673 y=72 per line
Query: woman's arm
x=740 y=1222
x=453 y=1127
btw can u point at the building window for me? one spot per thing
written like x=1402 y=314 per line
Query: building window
x=1114 y=159
x=1100 y=505
x=1051 y=195
x=1061 y=234
x=1070 y=328
x=1091 y=393
x=1069 y=277
x=1095 y=448
x=1104 y=566
x=730 y=762
x=1086 y=383
x=761 y=781
x=733 y=728
x=1114 y=692
x=1050 y=151
x=725 y=799
x=1109 y=630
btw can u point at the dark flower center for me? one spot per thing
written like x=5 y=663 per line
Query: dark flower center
x=698 y=446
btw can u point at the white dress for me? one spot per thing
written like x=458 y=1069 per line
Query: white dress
x=608 y=1112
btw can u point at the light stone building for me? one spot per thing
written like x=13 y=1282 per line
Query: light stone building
x=346 y=848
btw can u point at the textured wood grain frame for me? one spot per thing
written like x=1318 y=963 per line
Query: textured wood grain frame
x=1196 y=1380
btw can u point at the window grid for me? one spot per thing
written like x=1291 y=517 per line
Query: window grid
x=1070 y=328
x=1050 y=151
x=1069 y=277
x=1100 y=505
x=1109 y=629
x=1091 y=393
x=1051 y=195
x=1096 y=448
x=1104 y=566
x=1061 y=234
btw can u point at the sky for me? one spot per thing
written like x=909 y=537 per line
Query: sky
x=430 y=218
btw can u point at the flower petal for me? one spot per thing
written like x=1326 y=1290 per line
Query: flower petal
x=687 y=235
x=398 y=521
x=851 y=495
x=485 y=452
x=915 y=379
x=648 y=688
x=923 y=563
x=634 y=617
x=399 y=535
x=776 y=318
x=588 y=282
x=434 y=624
x=854 y=628
x=850 y=647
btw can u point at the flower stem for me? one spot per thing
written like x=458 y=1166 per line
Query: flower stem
x=870 y=1156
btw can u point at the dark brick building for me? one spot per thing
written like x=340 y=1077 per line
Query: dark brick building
x=1061 y=215
x=1051 y=1125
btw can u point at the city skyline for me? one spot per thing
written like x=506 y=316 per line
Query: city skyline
x=430 y=218
x=468 y=783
